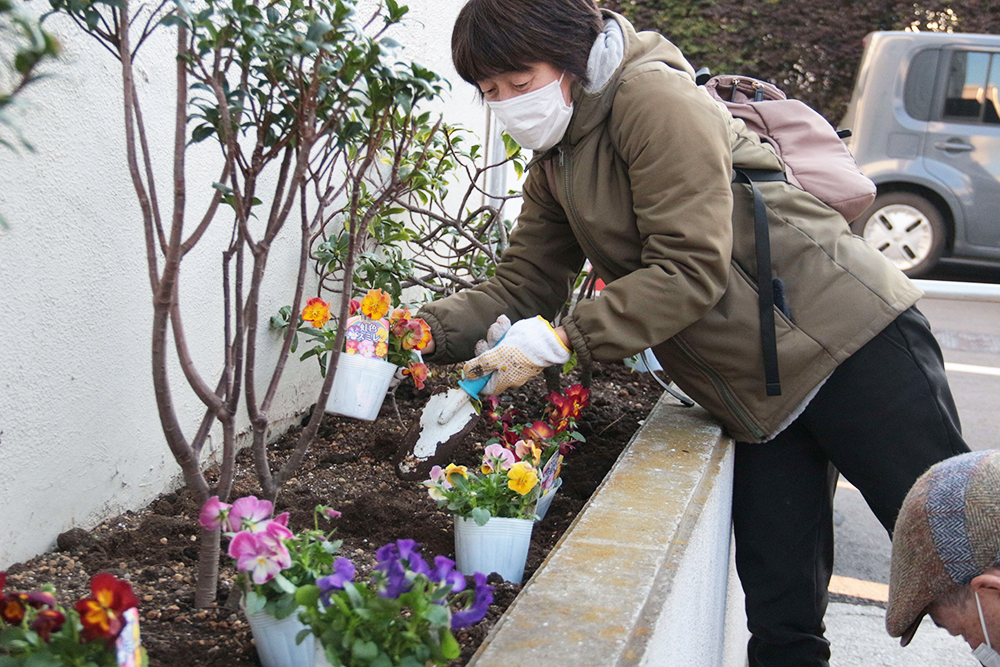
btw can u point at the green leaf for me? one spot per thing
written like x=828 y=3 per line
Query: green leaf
x=318 y=30
x=41 y=660
x=272 y=15
x=284 y=584
x=480 y=515
x=255 y=602
x=449 y=645
x=438 y=615
x=354 y=595
x=308 y=595
x=171 y=19
x=512 y=146
x=364 y=650
x=223 y=188
x=286 y=607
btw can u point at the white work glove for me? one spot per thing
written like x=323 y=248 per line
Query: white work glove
x=493 y=334
x=529 y=347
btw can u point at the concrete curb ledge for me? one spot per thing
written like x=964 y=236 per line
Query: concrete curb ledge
x=644 y=575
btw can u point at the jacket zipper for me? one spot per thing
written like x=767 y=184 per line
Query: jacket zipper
x=574 y=220
x=721 y=387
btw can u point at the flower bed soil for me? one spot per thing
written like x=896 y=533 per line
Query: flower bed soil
x=348 y=468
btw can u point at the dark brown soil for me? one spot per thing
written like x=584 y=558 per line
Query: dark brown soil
x=348 y=468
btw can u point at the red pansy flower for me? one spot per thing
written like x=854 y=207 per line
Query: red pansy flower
x=102 y=613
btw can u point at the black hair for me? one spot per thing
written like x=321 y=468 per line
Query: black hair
x=497 y=36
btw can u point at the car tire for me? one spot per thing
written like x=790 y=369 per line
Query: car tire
x=907 y=228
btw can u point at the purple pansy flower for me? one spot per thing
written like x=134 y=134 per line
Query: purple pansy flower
x=387 y=552
x=343 y=572
x=445 y=572
x=407 y=547
x=418 y=565
x=395 y=583
x=476 y=610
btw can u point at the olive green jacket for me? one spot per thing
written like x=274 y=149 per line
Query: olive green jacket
x=641 y=184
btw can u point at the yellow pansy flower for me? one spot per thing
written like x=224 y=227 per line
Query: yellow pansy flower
x=453 y=469
x=521 y=478
x=376 y=304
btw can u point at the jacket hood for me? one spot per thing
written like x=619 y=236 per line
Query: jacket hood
x=641 y=48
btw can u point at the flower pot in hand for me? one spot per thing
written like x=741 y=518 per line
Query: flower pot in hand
x=359 y=386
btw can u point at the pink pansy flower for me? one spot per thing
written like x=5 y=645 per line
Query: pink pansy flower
x=250 y=510
x=281 y=519
x=437 y=475
x=332 y=513
x=497 y=452
x=276 y=532
x=253 y=553
x=527 y=449
x=213 y=513
x=436 y=482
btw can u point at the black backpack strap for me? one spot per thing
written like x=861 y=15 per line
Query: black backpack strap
x=765 y=285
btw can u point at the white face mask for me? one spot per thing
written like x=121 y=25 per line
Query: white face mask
x=535 y=120
x=985 y=653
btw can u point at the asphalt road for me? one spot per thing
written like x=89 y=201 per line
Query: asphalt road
x=969 y=334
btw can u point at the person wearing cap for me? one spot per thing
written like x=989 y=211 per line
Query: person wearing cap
x=946 y=554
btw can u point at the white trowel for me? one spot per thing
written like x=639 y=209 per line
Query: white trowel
x=445 y=421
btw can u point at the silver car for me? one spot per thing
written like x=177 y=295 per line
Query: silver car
x=926 y=129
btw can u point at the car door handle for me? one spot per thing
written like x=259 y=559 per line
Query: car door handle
x=953 y=146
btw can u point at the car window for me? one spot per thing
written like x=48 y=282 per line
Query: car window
x=919 y=91
x=992 y=103
x=971 y=91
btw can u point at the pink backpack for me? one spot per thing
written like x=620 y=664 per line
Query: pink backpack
x=816 y=158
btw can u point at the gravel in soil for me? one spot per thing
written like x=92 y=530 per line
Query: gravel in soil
x=349 y=468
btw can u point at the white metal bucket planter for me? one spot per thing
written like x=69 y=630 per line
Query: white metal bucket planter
x=359 y=386
x=320 y=657
x=500 y=546
x=542 y=508
x=275 y=640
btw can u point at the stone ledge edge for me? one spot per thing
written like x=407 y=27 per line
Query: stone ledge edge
x=666 y=414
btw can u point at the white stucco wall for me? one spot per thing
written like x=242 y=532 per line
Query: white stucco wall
x=80 y=439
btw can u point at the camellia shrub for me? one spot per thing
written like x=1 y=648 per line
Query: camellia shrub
x=319 y=129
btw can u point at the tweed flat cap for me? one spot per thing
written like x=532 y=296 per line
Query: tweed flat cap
x=947 y=534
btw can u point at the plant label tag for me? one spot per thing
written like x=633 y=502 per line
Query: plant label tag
x=550 y=471
x=128 y=650
x=368 y=338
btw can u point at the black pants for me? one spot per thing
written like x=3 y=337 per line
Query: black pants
x=881 y=419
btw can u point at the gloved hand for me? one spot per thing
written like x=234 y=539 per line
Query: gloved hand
x=493 y=335
x=528 y=347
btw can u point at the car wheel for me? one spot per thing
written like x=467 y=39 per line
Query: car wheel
x=907 y=228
